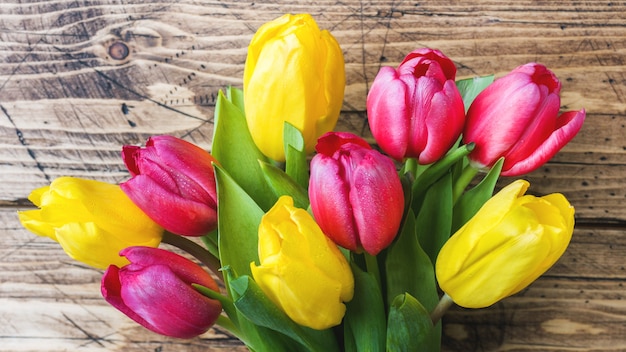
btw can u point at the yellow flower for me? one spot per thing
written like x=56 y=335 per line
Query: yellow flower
x=294 y=72
x=91 y=220
x=302 y=271
x=511 y=241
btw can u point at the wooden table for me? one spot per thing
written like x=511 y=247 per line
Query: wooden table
x=70 y=96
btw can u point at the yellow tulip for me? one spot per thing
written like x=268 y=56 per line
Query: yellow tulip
x=294 y=72
x=302 y=271
x=91 y=220
x=511 y=241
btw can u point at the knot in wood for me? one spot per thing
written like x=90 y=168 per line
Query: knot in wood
x=118 y=51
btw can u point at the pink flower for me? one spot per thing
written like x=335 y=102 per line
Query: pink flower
x=173 y=183
x=516 y=117
x=416 y=111
x=355 y=192
x=155 y=291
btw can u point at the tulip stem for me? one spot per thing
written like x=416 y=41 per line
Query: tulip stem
x=204 y=256
x=227 y=324
x=410 y=166
x=371 y=263
x=467 y=175
x=444 y=303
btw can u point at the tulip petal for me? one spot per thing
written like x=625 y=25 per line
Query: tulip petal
x=568 y=125
x=499 y=116
x=150 y=291
x=388 y=119
x=443 y=124
x=33 y=222
x=307 y=296
x=177 y=214
x=301 y=270
x=92 y=246
x=496 y=255
x=376 y=228
x=333 y=214
x=307 y=93
x=182 y=267
x=111 y=290
x=91 y=220
x=167 y=305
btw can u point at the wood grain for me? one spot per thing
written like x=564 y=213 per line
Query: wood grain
x=70 y=97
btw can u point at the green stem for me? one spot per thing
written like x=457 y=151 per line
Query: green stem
x=444 y=303
x=371 y=263
x=436 y=170
x=410 y=166
x=467 y=175
x=204 y=256
x=227 y=324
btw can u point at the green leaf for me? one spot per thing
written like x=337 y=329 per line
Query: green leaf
x=434 y=221
x=210 y=242
x=408 y=326
x=408 y=269
x=261 y=311
x=435 y=171
x=296 y=164
x=235 y=96
x=227 y=303
x=470 y=87
x=238 y=222
x=236 y=152
x=365 y=325
x=472 y=200
x=282 y=184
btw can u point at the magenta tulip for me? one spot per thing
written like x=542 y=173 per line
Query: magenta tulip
x=416 y=110
x=173 y=183
x=516 y=117
x=155 y=291
x=355 y=192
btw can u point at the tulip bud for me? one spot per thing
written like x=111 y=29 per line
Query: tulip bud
x=155 y=291
x=173 y=182
x=302 y=271
x=416 y=110
x=294 y=72
x=511 y=241
x=516 y=117
x=91 y=220
x=355 y=192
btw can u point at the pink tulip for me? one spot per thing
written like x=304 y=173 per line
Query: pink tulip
x=355 y=192
x=416 y=111
x=173 y=183
x=516 y=117
x=155 y=291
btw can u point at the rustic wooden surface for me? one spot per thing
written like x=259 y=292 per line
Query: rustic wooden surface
x=69 y=98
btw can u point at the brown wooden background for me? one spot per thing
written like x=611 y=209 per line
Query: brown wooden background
x=67 y=105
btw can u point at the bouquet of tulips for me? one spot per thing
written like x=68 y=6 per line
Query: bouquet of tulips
x=306 y=239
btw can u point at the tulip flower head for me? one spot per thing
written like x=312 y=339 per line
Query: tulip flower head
x=155 y=291
x=173 y=182
x=294 y=72
x=517 y=117
x=355 y=192
x=416 y=110
x=302 y=271
x=91 y=220
x=511 y=241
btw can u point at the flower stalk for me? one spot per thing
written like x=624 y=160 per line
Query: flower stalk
x=197 y=251
x=442 y=307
